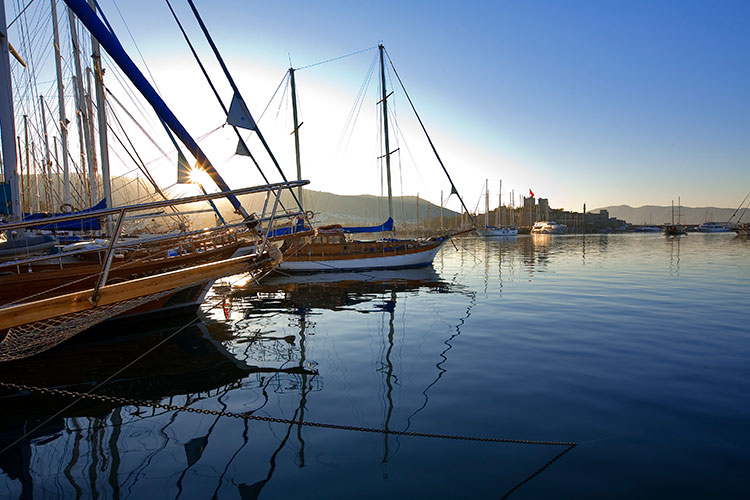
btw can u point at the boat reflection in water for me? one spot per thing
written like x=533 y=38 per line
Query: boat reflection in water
x=95 y=446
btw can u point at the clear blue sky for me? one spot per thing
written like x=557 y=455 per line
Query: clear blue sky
x=597 y=102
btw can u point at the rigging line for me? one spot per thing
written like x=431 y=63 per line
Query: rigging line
x=216 y=93
x=351 y=119
x=434 y=150
x=139 y=161
x=283 y=79
x=237 y=92
x=335 y=58
x=740 y=205
x=127 y=28
x=142 y=165
x=20 y=14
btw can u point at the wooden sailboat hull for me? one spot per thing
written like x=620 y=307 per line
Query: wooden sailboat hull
x=354 y=256
x=48 y=280
x=195 y=280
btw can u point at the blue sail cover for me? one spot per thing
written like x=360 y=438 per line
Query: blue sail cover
x=87 y=224
x=386 y=226
x=299 y=227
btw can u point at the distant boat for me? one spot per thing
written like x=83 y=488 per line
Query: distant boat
x=713 y=227
x=675 y=229
x=648 y=229
x=548 y=227
x=498 y=230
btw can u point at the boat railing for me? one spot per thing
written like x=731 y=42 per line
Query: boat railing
x=255 y=222
x=277 y=187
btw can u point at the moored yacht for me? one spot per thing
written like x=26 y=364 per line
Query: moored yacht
x=713 y=227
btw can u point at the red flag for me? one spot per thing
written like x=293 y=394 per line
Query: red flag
x=531 y=193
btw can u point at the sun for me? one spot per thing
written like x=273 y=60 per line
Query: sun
x=200 y=176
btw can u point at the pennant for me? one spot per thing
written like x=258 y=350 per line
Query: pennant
x=242 y=149
x=239 y=115
x=453 y=190
x=183 y=169
x=531 y=193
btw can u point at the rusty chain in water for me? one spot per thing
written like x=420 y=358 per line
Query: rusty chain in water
x=132 y=402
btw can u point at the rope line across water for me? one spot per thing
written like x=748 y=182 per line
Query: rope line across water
x=245 y=416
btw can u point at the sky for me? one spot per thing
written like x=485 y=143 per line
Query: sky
x=602 y=103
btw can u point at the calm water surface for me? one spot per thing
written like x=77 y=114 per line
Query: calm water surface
x=635 y=347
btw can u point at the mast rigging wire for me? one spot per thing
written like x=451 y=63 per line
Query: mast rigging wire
x=336 y=58
x=434 y=150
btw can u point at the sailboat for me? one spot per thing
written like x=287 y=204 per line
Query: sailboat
x=332 y=249
x=47 y=299
x=675 y=229
x=499 y=229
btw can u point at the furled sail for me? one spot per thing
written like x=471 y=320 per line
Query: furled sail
x=386 y=226
x=88 y=224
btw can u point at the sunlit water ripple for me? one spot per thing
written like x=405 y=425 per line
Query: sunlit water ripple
x=635 y=347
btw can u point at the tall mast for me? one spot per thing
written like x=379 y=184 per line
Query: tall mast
x=81 y=102
x=61 y=105
x=296 y=134
x=486 y=202
x=29 y=204
x=500 y=204
x=47 y=162
x=441 y=210
x=90 y=118
x=101 y=113
x=673 y=212
x=7 y=122
x=385 y=131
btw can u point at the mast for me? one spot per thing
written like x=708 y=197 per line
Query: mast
x=61 y=105
x=80 y=103
x=500 y=204
x=487 y=202
x=28 y=161
x=47 y=161
x=92 y=133
x=296 y=134
x=417 y=210
x=385 y=131
x=101 y=114
x=673 y=212
x=7 y=123
x=441 y=210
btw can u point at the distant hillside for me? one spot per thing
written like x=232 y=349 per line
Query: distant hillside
x=361 y=209
x=652 y=214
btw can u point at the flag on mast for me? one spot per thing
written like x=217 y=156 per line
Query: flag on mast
x=531 y=192
x=239 y=115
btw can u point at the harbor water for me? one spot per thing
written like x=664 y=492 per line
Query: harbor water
x=602 y=366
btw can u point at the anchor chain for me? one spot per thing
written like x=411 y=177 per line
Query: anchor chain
x=246 y=416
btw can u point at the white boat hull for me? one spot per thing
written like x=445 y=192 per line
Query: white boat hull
x=498 y=231
x=413 y=259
